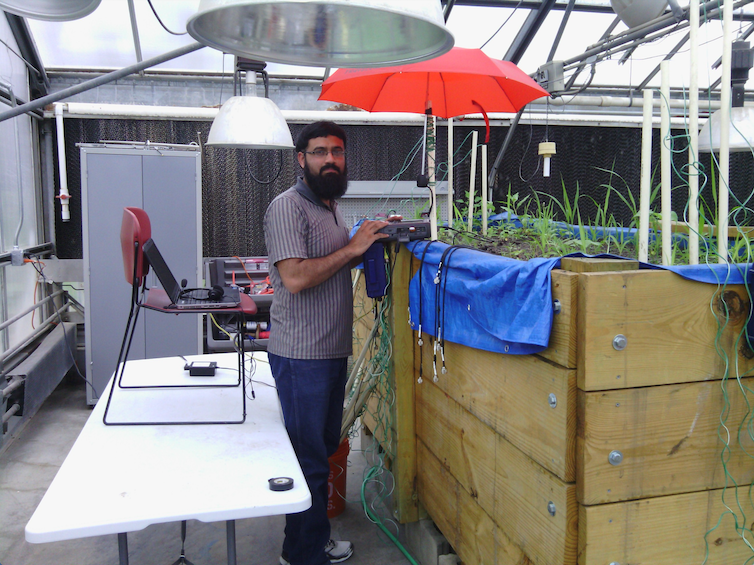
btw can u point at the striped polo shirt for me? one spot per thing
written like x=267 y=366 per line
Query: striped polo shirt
x=316 y=322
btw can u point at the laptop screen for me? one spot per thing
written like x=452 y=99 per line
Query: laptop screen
x=161 y=269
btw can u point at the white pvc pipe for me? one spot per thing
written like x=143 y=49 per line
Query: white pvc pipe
x=722 y=187
x=63 y=194
x=450 y=173
x=472 y=181
x=484 y=189
x=646 y=177
x=665 y=162
x=116 y=111
x=693 y=174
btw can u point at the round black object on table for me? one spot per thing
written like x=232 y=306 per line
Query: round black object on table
x=281 y=483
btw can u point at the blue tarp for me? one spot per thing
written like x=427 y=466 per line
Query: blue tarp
x=504 y=305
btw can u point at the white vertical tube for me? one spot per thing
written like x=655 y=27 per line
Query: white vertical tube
x=646 y=177
x=665 y=161
x=722 y=187
x=63 y=194
x=693 y=213
x=472 y=182
x=450 y=172
x=484 y=189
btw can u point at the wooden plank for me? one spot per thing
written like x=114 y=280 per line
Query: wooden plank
x=507 y=484
x=562 y=346
x=402 y=375
x=667 y=530
x=709 y=229
x=471 y=532
x=668 y=437
x=510 y=394
x=597 y=264
x=670 y=326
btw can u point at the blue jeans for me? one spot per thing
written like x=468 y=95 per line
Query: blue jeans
x=311 y=394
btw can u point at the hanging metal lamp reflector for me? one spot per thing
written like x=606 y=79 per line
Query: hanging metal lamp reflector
x=250 y=122
x=324 y=33
x=634 y=13
x=52 y=10
x=741 y=136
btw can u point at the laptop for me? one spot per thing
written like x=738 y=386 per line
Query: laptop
x=193 y=298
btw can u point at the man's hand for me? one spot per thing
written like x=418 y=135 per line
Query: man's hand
x=300 y=274
x=366 y=235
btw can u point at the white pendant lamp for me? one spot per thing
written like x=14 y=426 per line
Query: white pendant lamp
x=250 y=122
x=634 y=13
x=52 y=10
x=324 y=33
x=741 y=127
x=741 y=136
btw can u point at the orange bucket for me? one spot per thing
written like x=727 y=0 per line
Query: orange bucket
x=336 y=482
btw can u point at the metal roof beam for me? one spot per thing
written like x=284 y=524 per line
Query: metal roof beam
x=528 y=31
x=39 y=84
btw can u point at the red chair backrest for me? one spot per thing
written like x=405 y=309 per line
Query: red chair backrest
x=134 y=229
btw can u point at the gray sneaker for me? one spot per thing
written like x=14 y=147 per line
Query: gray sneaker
x=337 y=551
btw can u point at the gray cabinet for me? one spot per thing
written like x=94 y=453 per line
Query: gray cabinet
x=166 y=183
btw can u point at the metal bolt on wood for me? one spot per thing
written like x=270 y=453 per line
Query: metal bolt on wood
x=551 y=508
x=556 y=307
x=619 y=342
x=552 y=400
x=615 y=458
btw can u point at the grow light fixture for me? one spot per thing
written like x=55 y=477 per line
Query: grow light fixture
x=52 y=10
x=247 y=121
x=635 y=13
x=741 y=137
x=324 y=33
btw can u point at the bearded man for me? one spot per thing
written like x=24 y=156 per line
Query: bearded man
x=311 y=317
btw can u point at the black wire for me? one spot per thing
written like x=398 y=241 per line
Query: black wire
x=515 y=8
x=162 y=24
x=421 y=345
x=280 y=169
x=444 y=293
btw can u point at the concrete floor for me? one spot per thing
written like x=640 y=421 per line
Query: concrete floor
x=32 y=458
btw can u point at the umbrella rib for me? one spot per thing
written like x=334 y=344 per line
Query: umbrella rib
x=381 y=90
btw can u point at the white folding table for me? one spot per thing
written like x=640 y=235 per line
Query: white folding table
x=120 y=479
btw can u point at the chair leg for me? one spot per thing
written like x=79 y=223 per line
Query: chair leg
x=182 y=559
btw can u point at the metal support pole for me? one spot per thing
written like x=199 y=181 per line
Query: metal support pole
x=123 y=548
x=99 y=81
x=230 y=530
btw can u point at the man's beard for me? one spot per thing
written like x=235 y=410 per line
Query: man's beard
x=328 y=186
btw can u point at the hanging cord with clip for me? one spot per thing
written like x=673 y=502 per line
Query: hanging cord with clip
x=441 y=284
x=420 y=341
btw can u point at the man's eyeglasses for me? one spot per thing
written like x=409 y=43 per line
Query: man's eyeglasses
x=321 y=152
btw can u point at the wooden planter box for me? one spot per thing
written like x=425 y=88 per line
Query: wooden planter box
x=585 y=453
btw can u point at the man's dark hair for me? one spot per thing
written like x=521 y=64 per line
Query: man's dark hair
x=319 y=129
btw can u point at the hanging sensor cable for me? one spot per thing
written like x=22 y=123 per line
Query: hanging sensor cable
x=441 y=282
x=420 y=340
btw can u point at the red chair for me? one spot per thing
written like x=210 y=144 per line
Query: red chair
x=134 y=231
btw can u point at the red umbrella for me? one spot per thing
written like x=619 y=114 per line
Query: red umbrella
x=462 y=81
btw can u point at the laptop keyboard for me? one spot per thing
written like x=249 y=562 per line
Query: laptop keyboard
x=196 y=297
